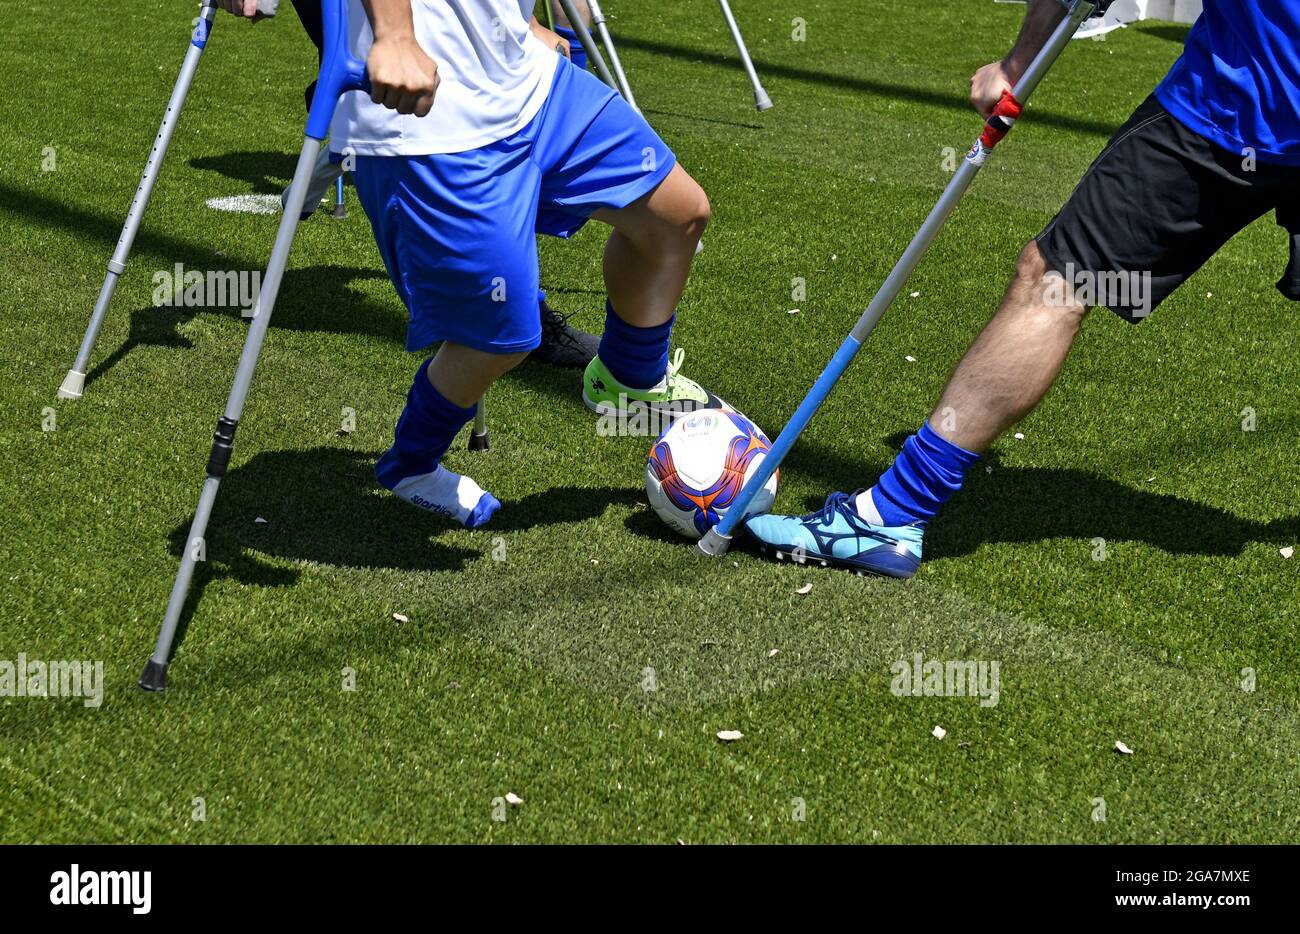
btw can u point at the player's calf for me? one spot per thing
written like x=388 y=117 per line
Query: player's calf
x=647 y=261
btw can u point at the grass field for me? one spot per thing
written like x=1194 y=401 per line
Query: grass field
x=522 y=667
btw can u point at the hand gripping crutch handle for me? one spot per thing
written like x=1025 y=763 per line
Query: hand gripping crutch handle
x=340 y=71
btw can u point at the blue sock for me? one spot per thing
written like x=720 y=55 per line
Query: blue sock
x=927 y=471
x=428 y=425
x=636 y=357
x=577 y=54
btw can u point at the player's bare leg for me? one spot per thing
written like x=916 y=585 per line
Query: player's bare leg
x=647 y=261
x=463 y=374
x=1014 y=361
x=649 y=254
x=1003 y=376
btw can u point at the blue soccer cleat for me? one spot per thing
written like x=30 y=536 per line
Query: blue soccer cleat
x=836 y=536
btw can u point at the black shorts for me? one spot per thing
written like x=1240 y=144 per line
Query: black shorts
x=309 y=11
x=1155 y=205
x=313 y=21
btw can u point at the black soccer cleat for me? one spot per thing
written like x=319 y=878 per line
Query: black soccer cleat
x=562 y=344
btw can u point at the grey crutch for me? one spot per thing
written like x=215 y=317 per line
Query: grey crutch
x=75 y=380
x=339 y=72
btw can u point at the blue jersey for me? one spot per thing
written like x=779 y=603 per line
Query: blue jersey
x=1238 y=81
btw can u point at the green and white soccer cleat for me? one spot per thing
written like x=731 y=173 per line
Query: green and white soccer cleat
x=675 y=395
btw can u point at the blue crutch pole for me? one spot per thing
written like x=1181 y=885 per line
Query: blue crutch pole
x=718 y=539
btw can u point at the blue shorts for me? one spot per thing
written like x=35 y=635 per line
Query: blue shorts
x=457 y=230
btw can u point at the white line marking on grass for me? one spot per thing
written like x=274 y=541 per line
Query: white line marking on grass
x=246 y=204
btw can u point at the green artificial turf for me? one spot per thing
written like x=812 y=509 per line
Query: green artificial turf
x=524 y=663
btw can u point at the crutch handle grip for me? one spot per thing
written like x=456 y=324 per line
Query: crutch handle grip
x=339 y=71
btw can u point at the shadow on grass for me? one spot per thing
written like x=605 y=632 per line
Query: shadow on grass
x=324 y=506
x=1171 y=32
x=698 y=119
x=1026 y=505
x=1023 y=505
x=316 y=298
x=954 y=101
x=264 y=171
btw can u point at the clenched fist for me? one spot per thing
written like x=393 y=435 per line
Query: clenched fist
x=250 y=9
x=402 y=77
x=987 y=85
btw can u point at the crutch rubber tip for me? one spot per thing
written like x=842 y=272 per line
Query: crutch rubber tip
x=479 y=442
x=713 y=544
x=73 y=383
x=154 y=677
x=340 y=212
x=762 y=101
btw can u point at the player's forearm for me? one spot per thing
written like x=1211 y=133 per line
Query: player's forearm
x=1042 y=17
x=390 y=19
x=562 y=18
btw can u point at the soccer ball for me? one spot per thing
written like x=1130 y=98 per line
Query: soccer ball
x=697 y=467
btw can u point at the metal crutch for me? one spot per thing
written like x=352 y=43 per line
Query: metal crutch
x=74 y=382
x=761 y=100
x=598 y=20
x=339 y=72
x=588 y=43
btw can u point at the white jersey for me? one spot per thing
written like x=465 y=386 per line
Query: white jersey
x=495 y=75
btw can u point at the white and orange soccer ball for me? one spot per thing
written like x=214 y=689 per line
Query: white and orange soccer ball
x=696 y=469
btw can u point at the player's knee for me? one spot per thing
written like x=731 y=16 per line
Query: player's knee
x=1045 y=289
x=691 y=216
x=506 y=362
x=701 y=214
x=1031 y=267
x=493 y=366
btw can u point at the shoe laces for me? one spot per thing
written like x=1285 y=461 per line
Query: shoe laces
x=833 y=503
x=554 y=322
x=675 y=364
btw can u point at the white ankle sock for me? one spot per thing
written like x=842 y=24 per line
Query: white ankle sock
x=866 y=508
x=443 y=492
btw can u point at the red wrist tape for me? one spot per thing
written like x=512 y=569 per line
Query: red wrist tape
x=1005 y=114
